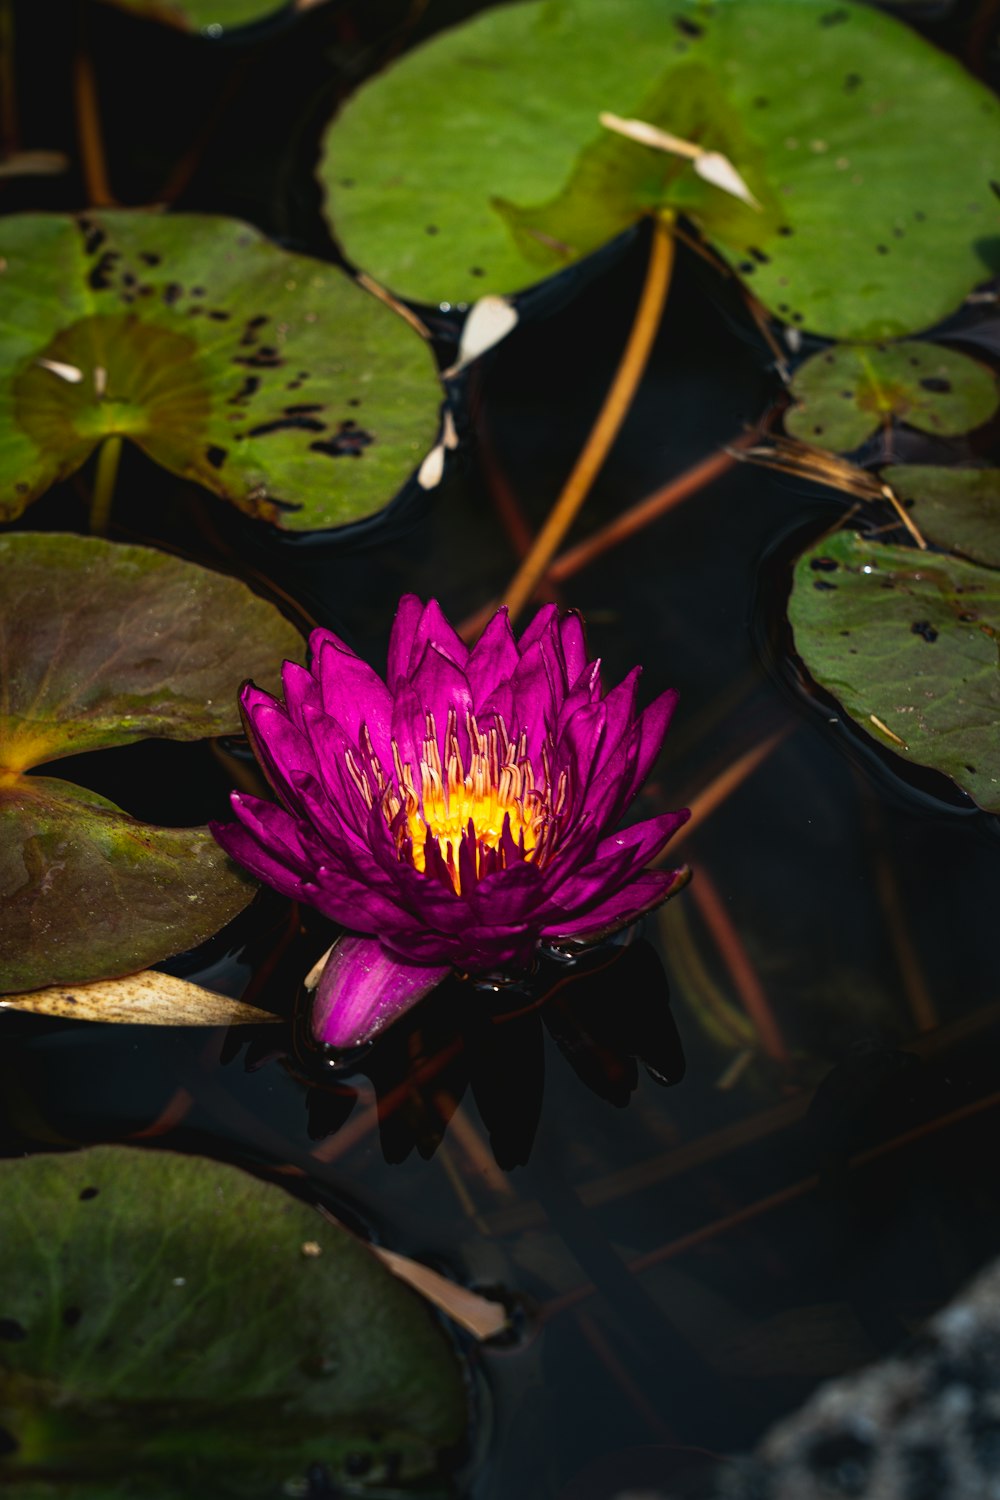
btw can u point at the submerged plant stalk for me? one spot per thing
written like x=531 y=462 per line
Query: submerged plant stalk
x=609 y=419
x=108 y=457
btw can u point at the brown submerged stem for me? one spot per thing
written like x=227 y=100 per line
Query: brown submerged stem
x=90 y=136
x=609 y=419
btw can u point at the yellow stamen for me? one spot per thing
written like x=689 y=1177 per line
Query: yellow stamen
x=441 y=798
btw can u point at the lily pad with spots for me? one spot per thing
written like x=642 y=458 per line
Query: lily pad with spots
x=477 y=163
x=177 y=1321
x=906 y=641
x=958 y=509
x=271 y=379
x=845 y=394
x=101 y=645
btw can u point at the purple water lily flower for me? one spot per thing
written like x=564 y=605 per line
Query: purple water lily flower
x=458 y=815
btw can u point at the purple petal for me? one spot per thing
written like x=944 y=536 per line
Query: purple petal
x=364 y=988
x=281 y=748
x=544 y=620
x=440 y=686
x=300 y=690
x=245 y=851
x=623 y=773
x=404 y=628
x=415 y=628
x=538 y=693
x=493 y=658
x=644 y=893
x=574 y=645
x=352 y=693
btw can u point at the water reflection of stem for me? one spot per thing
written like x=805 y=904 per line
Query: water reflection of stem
x=89 y=132
x=609 y=419
x=741 y=970
x=108 y=457
x=721 y=788
x=711 y=1231
x=721 y=1021
x=915 y=987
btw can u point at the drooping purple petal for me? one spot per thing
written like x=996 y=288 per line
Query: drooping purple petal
x=363 y=988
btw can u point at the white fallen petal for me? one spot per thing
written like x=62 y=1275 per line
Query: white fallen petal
x=717 y=169
x=430 y=473
x=69 y=373
x=145 y=999
x=489 y=320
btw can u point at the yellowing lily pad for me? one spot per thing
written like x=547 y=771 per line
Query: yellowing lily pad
x=477 y=162
x=907 y=643
x=846 y=393
x=269 y=378
x=179 y=1322
x=101 y=645
x=88 y=892
x=955 y=508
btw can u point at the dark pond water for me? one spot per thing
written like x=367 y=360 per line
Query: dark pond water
x=686 y=1261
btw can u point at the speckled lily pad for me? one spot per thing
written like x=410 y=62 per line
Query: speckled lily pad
x=958 y=509
x=101 y=645
x=269 y=378
x=476 y=163
x=845 y=394
x=907 y=643
x=176 y=1321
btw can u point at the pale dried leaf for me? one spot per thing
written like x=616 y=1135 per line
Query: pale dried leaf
x=480 y=1316
x=145 y=999
x=34 y=164
x=312 y=979
x=717 y=169
x=650 y=135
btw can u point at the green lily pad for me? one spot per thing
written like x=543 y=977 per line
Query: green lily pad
x=101 y=645
x=213 y=18
x=105 y=643
x=958 y=509
x=907 y=642
x=175 y=1320
x=269 y=378
x=476 y=163
x=88 y=892
x=846 y=393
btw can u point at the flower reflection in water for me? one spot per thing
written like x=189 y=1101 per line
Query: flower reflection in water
x=608 y=1012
